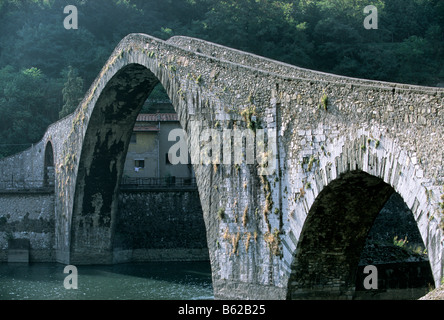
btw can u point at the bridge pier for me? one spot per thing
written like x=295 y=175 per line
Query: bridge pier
x=232 y=290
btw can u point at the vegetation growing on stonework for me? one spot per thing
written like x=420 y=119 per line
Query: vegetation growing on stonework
x=172 y=68
x=441 y=205
x=268 y=198
x=247 y=241
x=402 y=243
x=274 y=242
x=221 y=213
x=377 y=144
x=235 y=243
x=245 y=217
x=311 y=162
x=250 y=117
x=196 y=78
x=324 y=101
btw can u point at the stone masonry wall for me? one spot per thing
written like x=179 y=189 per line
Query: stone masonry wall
x=327 y=125
x=26 y=169
x=163 y=225
x=28 y=215
x=152 y=225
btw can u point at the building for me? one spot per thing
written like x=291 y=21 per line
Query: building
x=147 y=155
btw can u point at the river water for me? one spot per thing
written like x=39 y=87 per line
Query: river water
x=131 y=281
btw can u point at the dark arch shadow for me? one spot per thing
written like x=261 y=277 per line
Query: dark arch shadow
x=102 y=160
x=333 y=236
x=395 y=247
x=101 y=163
x=160 y=214
x=48 y=166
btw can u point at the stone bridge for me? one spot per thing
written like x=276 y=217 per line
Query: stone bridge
x=290 y=226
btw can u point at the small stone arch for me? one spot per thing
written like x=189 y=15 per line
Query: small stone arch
x=48 y=167
x=351 y=187
x=334 y=234
x=93 y=154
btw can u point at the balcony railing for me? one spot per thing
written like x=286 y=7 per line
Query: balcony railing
x=25 y=185
x=126 y=184
x=158 y=183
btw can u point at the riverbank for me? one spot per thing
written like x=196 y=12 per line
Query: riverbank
x=436 y=294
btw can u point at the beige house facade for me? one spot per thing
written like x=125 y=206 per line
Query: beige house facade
x=147 y=155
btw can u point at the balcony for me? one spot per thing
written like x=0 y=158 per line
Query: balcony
x=158 y=183
x=26 y=186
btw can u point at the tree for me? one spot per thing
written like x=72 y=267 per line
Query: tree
x=27 y=100
x=325 y=35
x=72 y=92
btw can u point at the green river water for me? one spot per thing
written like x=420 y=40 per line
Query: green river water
x=131 y=281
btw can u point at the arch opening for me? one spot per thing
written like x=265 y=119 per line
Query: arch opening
x=395 y=247
x=101 y=163
x=48 y=167
x=100 y=231
x=334 y=235
x=159 y=215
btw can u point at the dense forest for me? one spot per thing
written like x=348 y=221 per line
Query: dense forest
x=45 y=69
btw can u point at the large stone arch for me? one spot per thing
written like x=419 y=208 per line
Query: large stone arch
x=351 y=183
x=89 y=177
x=101 y=162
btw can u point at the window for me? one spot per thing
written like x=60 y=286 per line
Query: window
x=133 y=138
x=138 y=165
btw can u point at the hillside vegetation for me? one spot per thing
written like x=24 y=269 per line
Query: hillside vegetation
x=45 y=69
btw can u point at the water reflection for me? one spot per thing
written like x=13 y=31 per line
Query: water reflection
x=138 y=281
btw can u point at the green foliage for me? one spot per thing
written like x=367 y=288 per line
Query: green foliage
x=441 y=205
x=26 y=101
x=324 y=101
x=33 y=73
x=221 y=213
x=400 y=242
x=249 y=116
x=72 y=92
x=325 y=35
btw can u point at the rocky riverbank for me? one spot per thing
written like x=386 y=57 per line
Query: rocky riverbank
x=437 y=294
